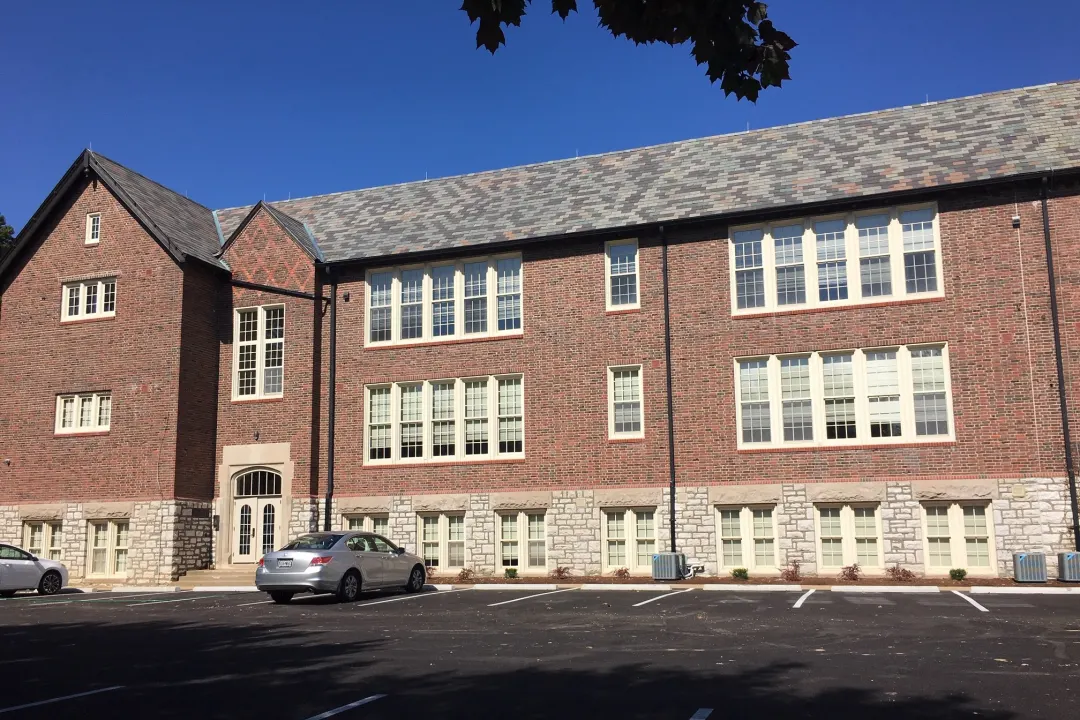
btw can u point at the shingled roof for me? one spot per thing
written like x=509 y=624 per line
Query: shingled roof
x=978 y=138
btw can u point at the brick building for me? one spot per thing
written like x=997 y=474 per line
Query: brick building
x=837 y=340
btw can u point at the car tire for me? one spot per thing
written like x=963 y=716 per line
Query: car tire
x=416 y=580
x=8 y=593
x=281 y=598
x=349 y=588
x=50 y=583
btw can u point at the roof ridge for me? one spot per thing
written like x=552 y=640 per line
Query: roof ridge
x=149 y=180
x=612 y=153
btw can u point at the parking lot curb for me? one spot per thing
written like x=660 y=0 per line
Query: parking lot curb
x=752 y=588
x=625 y=586
x=224 y=588
x=144 y=589
x=515 y=586
x=441 y=588
x=886 y=588
x=991 y=590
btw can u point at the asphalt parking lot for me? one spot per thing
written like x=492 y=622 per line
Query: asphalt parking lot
x=541 y=654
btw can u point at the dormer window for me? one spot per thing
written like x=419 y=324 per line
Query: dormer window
x=93 y=228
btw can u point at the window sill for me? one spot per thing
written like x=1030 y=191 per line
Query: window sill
x=748 y=314
x=257 y=401
x=454 y=341
x=867 y=446
x=397 y=465
x=88 y=433
x=620 y=440
x=623 y=311
x=80 y=321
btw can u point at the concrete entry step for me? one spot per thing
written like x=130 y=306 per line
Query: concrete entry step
x=242 y=575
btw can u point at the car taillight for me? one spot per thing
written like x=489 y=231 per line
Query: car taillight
x=262 y=562
x=325 y=560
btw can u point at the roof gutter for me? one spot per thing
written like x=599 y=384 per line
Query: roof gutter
x=1060 y=362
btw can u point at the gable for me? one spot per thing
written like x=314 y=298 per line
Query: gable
x=261 y=251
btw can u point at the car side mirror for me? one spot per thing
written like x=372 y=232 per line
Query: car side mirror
x=33 y=558
x=399 y=551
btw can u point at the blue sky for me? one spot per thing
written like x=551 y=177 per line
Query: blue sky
x=233 y=101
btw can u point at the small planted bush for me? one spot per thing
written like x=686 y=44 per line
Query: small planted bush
x=900 y=574
x=851 y=572
x=560 y=573
x=958 y=574
x=740 y=574
x=791 y=573
x=622 y=573
x=510 y=573
x=466 y=576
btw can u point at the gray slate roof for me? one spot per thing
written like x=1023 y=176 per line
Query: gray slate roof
x=977 y=138
x=185 y=223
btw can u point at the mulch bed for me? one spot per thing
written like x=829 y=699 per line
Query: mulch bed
x=702 y=580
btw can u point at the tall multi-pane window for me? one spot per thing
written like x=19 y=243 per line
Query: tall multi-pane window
x=629 y=539
x=108 y=547
x=522 y=541
x=731 y=549
x=259 y=364
x=508 y=540
x=866 y=543
x=412 y=304
x=976 y=536
x=832 y=537
x=831 y=260
x=442 y=540
x=431 y=540
x=378 y=524
x=872 y=396
x=622 y=271
x=849 y=535
x=839 y=383
x=747 y=537
x=764 y=548
x=508 y=293
x=624 y=389
x=83 y=413
x=920 y=261
x=93 y=229
x=875 y=269
x=749 y=269
x=44 y=539
x=958 y=535
x=790 y=269
x=380 y=301
x=754 y=395
x=476 y=297
x=442 y=301
x=445 y=420
x=883 y=393
x=537 y=534
x=615 y=525
x=644 y=536
x=938 y=537
x=88 y=299
x=795 y=395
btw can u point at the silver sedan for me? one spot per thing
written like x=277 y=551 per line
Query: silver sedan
x=20 y=570
x=338 y=562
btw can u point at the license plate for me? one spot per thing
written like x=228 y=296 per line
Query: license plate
x=284 y=563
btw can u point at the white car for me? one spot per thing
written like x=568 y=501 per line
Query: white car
x=19 y=570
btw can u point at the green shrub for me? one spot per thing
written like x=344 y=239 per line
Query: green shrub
x=740 y=574
x=510 y=573
x=958 y=574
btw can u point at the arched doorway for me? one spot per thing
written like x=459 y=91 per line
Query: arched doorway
x=256 y=514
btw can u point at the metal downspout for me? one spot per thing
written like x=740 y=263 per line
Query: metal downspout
x=670 y=397
x=331 y=402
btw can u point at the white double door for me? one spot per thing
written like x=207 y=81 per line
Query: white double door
x=256 y=523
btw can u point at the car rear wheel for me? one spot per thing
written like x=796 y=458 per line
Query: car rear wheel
x=281 y=598
x=416 y=580
x=349 y=588
x=50 y=583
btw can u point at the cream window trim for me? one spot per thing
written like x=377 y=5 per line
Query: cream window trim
x=263 y=377
x=851 y=530
x=107 y=548
x=86 y=299
x=755 y=533
x=378 y=523
x=771 y=259
x=93 y=229
x=80 y=413
x=44 y=539
x=618 y=430
x=955 y=533
x=631 y=286
x=906 y=384
x=442 y=541
x=522 y=541
x=497 y=294
x=498 y=425
x=634 y=538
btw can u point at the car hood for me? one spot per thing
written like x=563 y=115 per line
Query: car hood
x=51 y=565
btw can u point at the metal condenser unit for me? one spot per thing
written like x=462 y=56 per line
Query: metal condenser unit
x=1029 y=567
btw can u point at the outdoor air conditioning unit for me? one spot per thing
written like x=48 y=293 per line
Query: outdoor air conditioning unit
x=668 y=566
x=1069 y=566
x=1029 y=567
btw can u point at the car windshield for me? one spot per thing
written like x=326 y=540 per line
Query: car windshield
x=313 y=542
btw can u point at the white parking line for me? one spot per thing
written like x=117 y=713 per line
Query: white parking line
x=413 y=596
x=343 y=708
x=38 y=605
x=799 y=603
x=661 y=597
x=528 y=597
x=164 y=602
x=701 y=714
x=957 y=593
x=260 y=602
x=58 y=699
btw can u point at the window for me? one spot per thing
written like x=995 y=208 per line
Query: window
x=958 y=535
x=378 y=524
x=259 y=364
x=859 y=397
x=93 y=229
x=83 y=413
x=621 y=259
x=89 y=299
x=523 y=541
x=771 y=270
x=109 y=547
x=43 y=539
x=747 y=537
x=629 y=539
x=445 y=301
x=419 y=421
x=624 y=409
x=442 y=540
x=849 y=534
